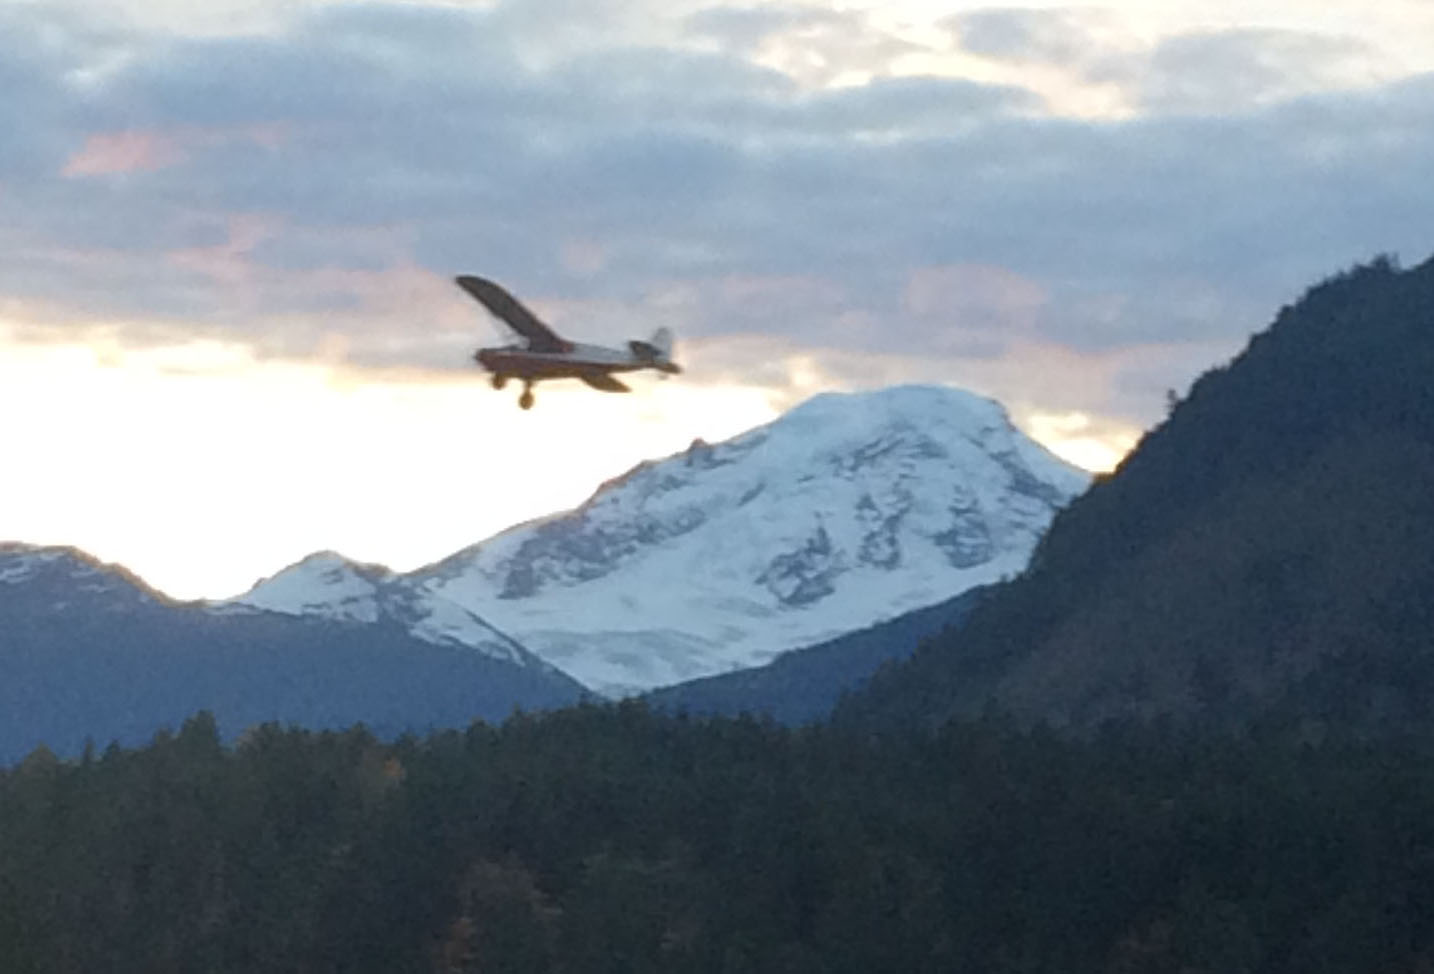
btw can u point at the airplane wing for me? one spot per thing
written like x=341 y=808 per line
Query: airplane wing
x=504 y=306
x=603 y=381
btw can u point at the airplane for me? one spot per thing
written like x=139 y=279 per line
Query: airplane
x=541 y=354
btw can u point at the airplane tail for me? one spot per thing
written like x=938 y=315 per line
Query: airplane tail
x=657 y=350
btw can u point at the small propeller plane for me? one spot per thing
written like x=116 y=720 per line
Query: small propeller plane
x=541 y=354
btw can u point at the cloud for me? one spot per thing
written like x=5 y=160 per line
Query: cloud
x=980 y=297
x=117 y=152
x=140 y=150
x=1208 y=72
x=1193 y=72
x=309 y=191
x=813 y=44
x=1068 y=37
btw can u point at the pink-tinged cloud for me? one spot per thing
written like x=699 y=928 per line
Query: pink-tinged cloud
x=980 y=294
x=148 y=150
x=106 y=153
x=228 y=263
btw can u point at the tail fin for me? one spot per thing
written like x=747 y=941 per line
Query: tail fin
x=658 y=348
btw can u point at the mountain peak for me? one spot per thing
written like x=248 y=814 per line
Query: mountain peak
x=68 y=568
x=850 y=508
x=901 y=401
x=328 y=585
x=830 y=423
x=324 y=583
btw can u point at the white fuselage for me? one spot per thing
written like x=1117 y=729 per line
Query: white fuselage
x=518 y=362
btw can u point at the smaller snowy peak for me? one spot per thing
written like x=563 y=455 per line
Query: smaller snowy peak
x=324 y=584
x=330 y=586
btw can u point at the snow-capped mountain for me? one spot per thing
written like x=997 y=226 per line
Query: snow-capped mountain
x=848 y=510
x=330 y=586
x=87 y=650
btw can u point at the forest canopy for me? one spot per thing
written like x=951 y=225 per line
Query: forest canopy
x=612 y=838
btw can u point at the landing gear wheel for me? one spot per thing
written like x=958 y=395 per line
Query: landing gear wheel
x=525 y=401
x=499 y=381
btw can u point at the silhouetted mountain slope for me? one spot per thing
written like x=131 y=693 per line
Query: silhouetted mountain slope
x=804 y=685
x=88 y=651
x=1267 y=551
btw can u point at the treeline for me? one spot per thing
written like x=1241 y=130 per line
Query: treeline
x=615 y=839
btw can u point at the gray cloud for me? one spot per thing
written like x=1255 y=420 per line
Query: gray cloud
x=39 y=100
x=1211 y=72
x=313 y=189
x=745 y=28
x=1059 y=36
x=1208 y=72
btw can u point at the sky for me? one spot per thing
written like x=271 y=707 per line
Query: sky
x=228 y=231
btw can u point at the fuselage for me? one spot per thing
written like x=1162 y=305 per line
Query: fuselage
x=521 y=363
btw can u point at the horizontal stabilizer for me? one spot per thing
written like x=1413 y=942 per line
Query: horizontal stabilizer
x=603 y=381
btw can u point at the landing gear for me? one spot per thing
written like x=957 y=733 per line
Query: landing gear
x=525 y=401
x=499 y=381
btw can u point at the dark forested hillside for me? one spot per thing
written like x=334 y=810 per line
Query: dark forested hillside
x=612 y=839
x=1268 y=550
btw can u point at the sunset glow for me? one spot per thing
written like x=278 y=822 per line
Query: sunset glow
x=229 y=335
